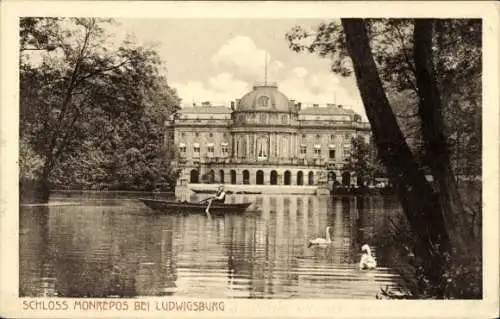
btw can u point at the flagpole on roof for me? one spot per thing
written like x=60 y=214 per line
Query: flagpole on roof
x=265 y=69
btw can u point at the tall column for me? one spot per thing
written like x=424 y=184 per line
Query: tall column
x=268 y=146
x=276 y=148
x=254 y=146
x=297 y=143
x=247 y=153
x=271 y=154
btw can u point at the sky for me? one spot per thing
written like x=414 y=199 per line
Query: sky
x=219 y=60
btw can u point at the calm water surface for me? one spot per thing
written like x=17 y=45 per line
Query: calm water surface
x=121 y=249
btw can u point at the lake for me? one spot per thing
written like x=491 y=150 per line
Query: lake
x=79 y=247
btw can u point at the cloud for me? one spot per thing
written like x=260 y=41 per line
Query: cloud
x=299 y=72
x=240 y=63
x=224 y=82
x=320 y=88
x=220 y=90
x=241 y=56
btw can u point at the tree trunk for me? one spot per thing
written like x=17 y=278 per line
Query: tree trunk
x=421 y=206
x=430 y=108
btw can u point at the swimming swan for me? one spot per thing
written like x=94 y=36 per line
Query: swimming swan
x=321 y=241
x=367 y=260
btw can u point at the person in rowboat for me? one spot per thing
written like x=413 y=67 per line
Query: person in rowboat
x=219 y=198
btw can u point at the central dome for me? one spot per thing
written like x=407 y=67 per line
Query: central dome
x=264 y=97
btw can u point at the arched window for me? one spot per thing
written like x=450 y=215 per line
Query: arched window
x=246 y=177
x=233 y=176
x=310 y=178
x=221 y=176
x=259 y=177
x=274 y=178
x=300 y=178
x=263 y=101
x=288 y=177
x=195 y=176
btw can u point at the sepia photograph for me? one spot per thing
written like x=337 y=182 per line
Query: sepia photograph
x=217 y=159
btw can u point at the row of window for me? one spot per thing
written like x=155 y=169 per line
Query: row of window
x=317 y=137
x=259 y=177
x=225 y=147
x=197 y=134
x=284 y=117
x=301 y=178
x=261 y=152
x=210 y=149
x=263 y=117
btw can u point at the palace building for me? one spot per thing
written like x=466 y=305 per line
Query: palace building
x=264 y=139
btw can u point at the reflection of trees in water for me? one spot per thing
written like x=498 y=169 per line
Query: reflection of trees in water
x=90 y=249
x=371 y=225
x=36 y=254
x=386 y=209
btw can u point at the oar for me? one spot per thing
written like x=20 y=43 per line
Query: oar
x=204 y=200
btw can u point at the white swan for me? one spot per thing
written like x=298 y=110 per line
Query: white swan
x=321 y=241
x=367 y=260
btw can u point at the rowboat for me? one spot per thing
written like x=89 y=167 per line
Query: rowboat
x=190 y=207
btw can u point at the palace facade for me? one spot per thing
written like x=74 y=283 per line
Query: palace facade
x=264 y=139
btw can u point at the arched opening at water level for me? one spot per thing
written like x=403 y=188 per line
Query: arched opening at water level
x=274 y=178
x=259 y=177
x=288 y=177
x=233 y=176
x=300 y=178
x=246 y=177
x=194 y=176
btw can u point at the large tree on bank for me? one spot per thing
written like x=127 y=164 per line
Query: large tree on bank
x=88 y=106
x=435 y=213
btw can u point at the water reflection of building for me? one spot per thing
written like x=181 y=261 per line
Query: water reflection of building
x=157 y=268
x=242 y=145
x=280 y=236
x=101 y=252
